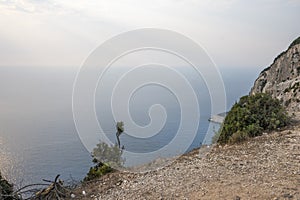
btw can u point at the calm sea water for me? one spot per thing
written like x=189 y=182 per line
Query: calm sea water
x=38 y=139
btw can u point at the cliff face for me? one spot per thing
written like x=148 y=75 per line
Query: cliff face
x=282 y=79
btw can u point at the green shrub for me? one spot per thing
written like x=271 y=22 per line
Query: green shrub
x=5 y=189
x=112 y=155
x=251 y=116
x=106 y=158
x=97 y=171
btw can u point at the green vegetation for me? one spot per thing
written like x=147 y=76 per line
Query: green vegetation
x=250 y=117
x=120 y=130
x=97 y=171
x=110 y=155
x=5 y=189
x=106 y=159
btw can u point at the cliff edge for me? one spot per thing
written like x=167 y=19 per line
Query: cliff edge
x=282 y=79
x=266 y=167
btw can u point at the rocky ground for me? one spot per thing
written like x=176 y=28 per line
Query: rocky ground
x=266 y=167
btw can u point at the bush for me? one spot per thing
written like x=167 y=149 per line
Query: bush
x=97 y=171
x=106 y=158
x=112 y=155
x=5 y=189
x=251 y=116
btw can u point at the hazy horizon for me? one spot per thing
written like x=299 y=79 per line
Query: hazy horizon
x=63 y=33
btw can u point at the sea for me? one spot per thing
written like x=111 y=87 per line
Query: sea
x=38 y=136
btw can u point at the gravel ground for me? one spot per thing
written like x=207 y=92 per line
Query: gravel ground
x=266 y=167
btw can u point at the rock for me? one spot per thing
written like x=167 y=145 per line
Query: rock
x=237 y=198
x=119 y=183
x=282 y=79
x=289 y=196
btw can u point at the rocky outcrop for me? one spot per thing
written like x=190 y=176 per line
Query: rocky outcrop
x=282 y=79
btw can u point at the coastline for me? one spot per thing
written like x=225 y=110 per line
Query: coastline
x=218 y=118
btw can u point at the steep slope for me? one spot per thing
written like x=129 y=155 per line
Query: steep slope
x=266 y=167
x=282 y=79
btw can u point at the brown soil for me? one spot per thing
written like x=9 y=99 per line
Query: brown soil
x=266 y=167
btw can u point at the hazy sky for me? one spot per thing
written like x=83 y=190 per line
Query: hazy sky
x=62 y=33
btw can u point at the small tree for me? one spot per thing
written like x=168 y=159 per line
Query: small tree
x=110 y=155
x=106 y=158
x=120 y=130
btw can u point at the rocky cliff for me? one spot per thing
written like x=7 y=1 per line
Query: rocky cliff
x=282 y=79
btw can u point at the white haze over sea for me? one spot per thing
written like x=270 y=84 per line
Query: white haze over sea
x=38 y=138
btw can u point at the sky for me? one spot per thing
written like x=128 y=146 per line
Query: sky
x=235 y=33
